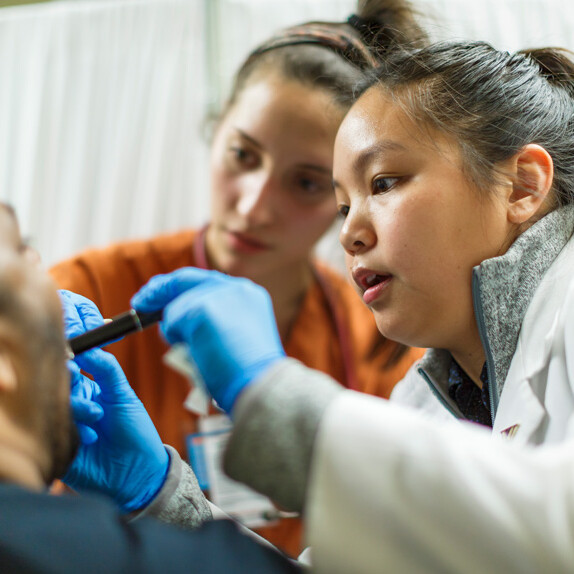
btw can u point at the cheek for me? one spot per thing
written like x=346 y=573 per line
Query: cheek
x=400 y=227
x=411 y=242
x=223 y=189
x=312 y=222
x=223 y=183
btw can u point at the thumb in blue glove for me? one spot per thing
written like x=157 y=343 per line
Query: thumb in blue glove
x=226 y=322
x=128 y=461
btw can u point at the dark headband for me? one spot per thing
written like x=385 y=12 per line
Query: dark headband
x=323 y=35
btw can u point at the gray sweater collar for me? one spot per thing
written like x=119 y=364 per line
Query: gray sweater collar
x=503 y=288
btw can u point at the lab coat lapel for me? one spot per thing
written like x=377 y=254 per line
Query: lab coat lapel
x=521 y=414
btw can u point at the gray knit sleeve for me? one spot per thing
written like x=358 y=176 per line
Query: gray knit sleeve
x=180 y=500
x=275 y=422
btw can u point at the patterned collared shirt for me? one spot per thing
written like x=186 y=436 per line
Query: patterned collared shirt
x=473 y=402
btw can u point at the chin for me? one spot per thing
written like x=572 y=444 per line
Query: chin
x=394 y=330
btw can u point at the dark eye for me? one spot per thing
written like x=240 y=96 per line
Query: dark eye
x=343 y=211
x=384 y=184
x=242 y=156
x=308 y=184
x=312 y=187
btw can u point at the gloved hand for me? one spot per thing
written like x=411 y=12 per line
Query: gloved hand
x=128 y=461
x=80 y=314
x=227 y=323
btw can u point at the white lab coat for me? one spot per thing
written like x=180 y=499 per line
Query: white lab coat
x=393 y=491
x=537 y=403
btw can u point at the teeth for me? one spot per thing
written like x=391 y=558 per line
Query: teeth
x=371 y=280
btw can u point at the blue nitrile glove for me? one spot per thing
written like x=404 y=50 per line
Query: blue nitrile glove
x=128 y=461
x=226 y=322
x=80 y=314
x=86 y=411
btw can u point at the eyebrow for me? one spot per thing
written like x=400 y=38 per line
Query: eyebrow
x=314 y=167
x=374 y=150
x=248 y=137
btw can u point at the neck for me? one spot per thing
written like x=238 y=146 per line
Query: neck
x=471 y=363
x=17 y=467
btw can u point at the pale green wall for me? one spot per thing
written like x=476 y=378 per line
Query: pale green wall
x=4 y=3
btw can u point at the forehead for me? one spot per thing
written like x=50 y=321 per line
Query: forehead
x=377 y=128
x=376 y=117
x=275 y=103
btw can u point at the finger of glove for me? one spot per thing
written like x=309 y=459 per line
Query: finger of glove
x=107 y=374
x=76 y=377
x=80 y=385
x=86 y=411
x=87 y=434
x=162 y=289
x=80 y=314
x=231 y=310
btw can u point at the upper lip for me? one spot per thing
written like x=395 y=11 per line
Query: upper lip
x=366 y=278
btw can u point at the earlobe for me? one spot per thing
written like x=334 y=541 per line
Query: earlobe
x=534 y=172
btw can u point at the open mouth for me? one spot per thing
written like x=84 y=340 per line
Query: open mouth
x=371 y=284
x=372 y=280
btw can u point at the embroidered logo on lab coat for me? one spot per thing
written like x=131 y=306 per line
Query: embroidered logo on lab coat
x=510 y=431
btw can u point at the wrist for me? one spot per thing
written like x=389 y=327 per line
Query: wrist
x=149 y=490
x=232 y=392
x=180 y=500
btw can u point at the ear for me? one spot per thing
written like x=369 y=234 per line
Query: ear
x=8 y=376
x=533 y=176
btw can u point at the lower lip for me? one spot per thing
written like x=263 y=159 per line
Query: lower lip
x=373 y=293
x=240 y=243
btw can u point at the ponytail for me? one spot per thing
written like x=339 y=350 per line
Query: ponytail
x=555 y=64
x=334 y=55
x=385 y=24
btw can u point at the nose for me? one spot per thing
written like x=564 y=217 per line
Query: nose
x=357 y=234
x=256 y=201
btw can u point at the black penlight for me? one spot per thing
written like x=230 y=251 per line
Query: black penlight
x=119 y=326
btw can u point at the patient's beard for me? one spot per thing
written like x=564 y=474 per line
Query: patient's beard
x=64 y=447
x=59 y=435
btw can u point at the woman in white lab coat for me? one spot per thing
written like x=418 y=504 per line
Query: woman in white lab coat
x=454 y=173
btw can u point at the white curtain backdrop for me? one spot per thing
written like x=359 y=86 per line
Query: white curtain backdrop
x=101 y=105
x=102 y=102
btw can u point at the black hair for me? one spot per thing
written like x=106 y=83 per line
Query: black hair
x=377 y=25
x=492 y=102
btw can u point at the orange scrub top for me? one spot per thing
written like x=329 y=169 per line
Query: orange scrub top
x=334 y=333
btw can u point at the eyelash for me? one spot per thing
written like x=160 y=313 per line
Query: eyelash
x=343 y=210
x=240 y=153
x=377 y=189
